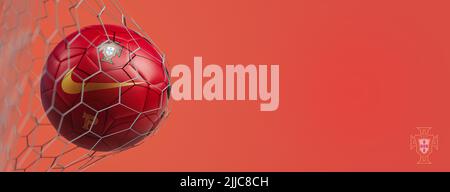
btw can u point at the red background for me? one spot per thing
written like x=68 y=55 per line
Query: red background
x=356 y=78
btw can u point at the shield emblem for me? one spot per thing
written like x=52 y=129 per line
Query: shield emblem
x=110 y=50
x=424 y=145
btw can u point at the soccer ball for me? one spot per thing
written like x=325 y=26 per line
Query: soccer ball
x=105 y=87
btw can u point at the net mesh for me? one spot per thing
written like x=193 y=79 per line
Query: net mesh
x=29 y=31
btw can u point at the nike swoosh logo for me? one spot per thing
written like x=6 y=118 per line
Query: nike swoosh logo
x=69 y=86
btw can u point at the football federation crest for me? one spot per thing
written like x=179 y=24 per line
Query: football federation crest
x=110 y=50
x=424 y=143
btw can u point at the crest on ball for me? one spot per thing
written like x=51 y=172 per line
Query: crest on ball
x=109 y=50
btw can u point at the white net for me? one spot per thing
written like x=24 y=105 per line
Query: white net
x=29 y=31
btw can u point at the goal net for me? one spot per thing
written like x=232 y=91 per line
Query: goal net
x=29 y=30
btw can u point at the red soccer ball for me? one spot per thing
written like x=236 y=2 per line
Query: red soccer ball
x=105 y=87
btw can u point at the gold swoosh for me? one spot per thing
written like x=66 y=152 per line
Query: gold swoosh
x=69 y=86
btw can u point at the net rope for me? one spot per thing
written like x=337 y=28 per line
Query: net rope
x=29 y=31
